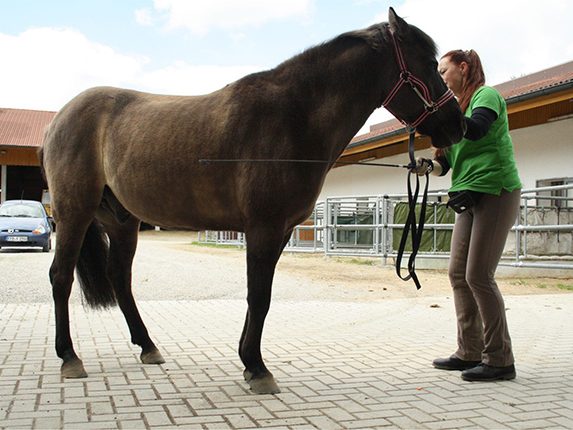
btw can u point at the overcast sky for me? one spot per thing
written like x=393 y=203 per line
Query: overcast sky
x=52 y=50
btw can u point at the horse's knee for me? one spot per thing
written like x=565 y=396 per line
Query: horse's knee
x=61 y=283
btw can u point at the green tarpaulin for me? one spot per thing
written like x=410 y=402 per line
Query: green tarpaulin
x=444 y=215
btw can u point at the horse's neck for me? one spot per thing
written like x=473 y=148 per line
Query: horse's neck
x=346 y=97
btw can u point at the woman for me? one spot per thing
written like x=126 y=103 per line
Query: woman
x=486 y=190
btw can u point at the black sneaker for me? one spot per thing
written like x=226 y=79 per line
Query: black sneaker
x=454 y=363
x=484 y=372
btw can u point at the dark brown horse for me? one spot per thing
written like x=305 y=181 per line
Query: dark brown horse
x=113 y=157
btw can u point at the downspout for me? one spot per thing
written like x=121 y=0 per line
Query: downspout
x=3 y=182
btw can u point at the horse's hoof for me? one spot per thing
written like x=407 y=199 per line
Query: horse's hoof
x=262 y=385
x=73 y=369
x=152 y=357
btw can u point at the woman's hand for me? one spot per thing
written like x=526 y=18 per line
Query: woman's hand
x=423 y=166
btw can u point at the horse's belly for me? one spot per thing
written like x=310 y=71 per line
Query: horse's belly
x=193 y=218
x=174 y=205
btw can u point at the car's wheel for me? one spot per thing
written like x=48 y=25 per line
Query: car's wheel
x=47 y=247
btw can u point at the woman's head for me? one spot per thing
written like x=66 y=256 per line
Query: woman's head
x=463 y=74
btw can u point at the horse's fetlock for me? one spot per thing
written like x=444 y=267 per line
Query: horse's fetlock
x=66 y=353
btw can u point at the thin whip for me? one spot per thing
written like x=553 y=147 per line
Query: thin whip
x=282 y=160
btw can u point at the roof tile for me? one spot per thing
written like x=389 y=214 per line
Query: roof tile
x=21 y=127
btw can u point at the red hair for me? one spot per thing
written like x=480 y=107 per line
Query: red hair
x=475 y=77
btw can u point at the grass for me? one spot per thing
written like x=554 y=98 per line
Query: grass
x=543 y=286
x=359 y=261
x=565 y=287
x=215 y=245
x=346 y=260
x=520 y=282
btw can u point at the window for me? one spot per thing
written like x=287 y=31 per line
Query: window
x=560 y=196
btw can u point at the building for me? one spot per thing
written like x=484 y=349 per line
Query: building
x=21 y=134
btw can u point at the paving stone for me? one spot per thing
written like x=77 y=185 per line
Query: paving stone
x=156 y=419
x=333 y=369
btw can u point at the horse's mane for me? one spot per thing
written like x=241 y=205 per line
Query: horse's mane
x=376 y=36
x=428 y=44
x=373 y=36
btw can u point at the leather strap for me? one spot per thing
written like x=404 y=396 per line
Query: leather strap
x=410 y=225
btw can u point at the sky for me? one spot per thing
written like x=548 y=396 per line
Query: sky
x=52 y=50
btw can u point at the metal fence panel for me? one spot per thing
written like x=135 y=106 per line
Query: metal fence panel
x=371 y=226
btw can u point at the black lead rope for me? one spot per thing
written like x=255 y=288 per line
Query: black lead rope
x=410 y=224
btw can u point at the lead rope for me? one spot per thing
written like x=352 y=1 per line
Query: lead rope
x=410 y=224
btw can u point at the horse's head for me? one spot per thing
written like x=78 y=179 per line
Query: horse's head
x=416 y=93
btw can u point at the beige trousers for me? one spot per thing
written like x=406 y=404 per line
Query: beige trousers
x=477 y=244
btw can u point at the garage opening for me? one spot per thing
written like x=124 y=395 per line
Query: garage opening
x=24 y=182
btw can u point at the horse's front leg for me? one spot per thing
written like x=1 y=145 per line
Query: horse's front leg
x=263 y=251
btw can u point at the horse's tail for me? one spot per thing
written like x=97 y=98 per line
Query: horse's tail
x=91 y=269
x=41 y=158
x=40 y=153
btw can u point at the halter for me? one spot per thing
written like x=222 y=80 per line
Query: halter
x=430 y=106
x=419 y=88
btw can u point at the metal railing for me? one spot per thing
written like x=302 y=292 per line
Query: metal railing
x=523 y=230
x=365 y=226
x=221 y=237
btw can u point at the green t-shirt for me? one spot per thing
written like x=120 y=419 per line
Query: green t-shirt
x=485 y=165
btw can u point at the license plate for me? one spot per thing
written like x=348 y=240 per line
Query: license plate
x=17 y=239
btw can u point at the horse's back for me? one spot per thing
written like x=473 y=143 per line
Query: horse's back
x=82 y=120
x=145 y=148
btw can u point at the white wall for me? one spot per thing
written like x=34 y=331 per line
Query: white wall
x=544 y=151
x=541 y=152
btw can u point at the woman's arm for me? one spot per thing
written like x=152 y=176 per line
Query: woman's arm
x=477 y=127
x=480 y=122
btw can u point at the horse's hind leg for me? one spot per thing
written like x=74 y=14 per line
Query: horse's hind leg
x=68 y=245
x=263 y=252
x=123 y=243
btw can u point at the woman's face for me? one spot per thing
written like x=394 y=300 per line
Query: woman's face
x=453 y=74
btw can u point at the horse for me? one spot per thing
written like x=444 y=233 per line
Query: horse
x=114 y=157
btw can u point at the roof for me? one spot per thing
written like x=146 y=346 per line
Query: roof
x=22 y=127
x=538 y=81
x=511 y=90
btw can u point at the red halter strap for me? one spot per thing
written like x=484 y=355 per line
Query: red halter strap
x=418 y=86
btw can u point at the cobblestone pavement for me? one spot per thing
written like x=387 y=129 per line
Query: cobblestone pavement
x=339 y=365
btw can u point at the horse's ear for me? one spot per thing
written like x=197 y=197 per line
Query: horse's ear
x=397 y=25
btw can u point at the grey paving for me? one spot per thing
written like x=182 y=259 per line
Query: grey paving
x=340 y=365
